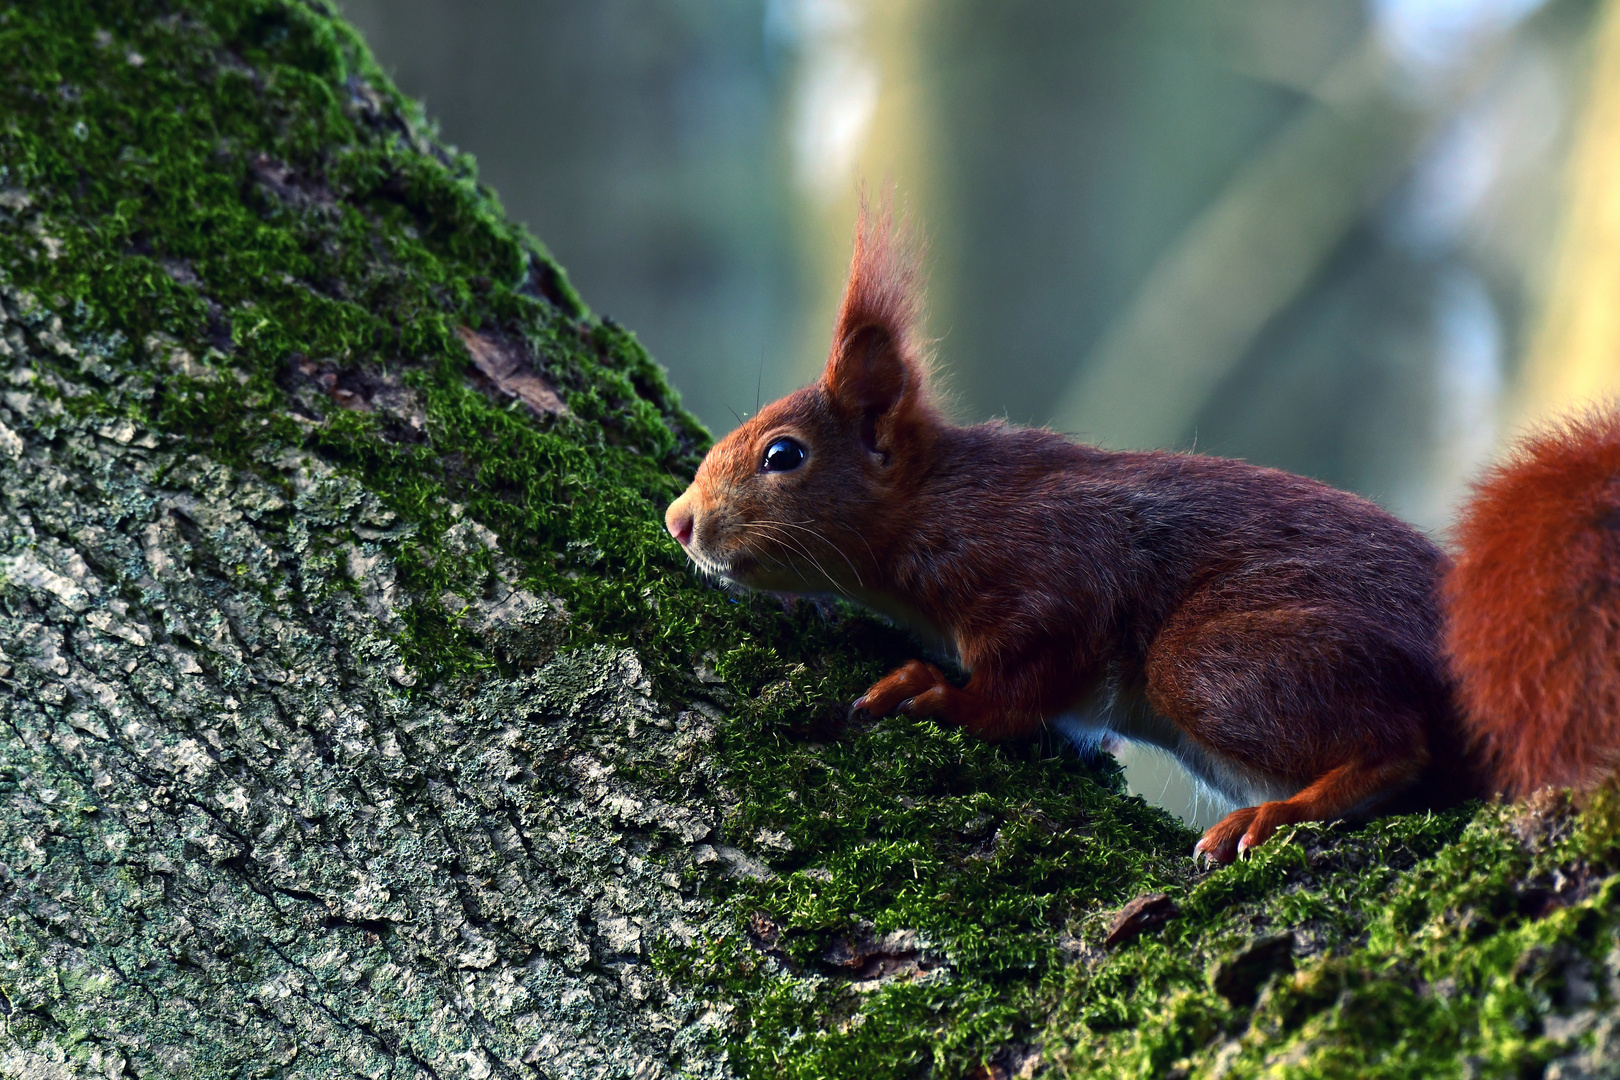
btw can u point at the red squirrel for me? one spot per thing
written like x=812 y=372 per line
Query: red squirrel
x=1300 y=650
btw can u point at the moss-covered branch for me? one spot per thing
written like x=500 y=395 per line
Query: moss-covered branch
x=360 y=719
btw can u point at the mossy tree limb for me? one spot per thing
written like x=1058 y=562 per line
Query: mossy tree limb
x=360 y=719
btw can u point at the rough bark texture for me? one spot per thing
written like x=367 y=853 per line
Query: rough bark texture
x=358 y=718
x=233 y=822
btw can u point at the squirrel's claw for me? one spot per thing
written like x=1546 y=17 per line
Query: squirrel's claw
x=1208 y=858
x=1224 y=841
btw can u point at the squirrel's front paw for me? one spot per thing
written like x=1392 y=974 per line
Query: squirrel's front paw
x=1242 y=831
x=1222 y=843
x=900 y=690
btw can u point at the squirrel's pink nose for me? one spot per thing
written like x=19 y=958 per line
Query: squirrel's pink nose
x=679 y=523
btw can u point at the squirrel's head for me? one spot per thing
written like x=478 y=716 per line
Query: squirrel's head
x=806 y=494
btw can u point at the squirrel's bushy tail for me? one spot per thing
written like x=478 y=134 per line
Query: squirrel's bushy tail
x=1533 y=609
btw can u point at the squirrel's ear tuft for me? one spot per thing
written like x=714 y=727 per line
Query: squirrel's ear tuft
x=877 y=359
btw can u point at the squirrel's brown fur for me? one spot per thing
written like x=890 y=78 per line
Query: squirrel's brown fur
x=1282 y=638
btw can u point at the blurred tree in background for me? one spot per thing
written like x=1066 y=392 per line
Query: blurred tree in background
x=1317 y=236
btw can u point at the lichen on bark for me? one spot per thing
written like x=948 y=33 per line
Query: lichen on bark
x=360 y=718
x=235 y=834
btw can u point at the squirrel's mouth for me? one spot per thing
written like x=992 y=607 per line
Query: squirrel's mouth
x=735 y=568
x=734 y=559
x=709 y=566
x=731 y=568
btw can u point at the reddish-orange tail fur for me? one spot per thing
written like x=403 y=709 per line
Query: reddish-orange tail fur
x=1284 y=640
x=1533 y=609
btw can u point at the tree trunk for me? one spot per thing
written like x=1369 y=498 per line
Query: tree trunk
x=1573 y=361
x=289 y=786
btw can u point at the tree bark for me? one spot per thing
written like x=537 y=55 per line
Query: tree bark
x=247 y=829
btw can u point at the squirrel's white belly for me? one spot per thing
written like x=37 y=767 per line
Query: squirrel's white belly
x=1110 y=714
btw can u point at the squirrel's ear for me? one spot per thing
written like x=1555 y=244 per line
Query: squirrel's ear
x=875 y=366
x=868 y=377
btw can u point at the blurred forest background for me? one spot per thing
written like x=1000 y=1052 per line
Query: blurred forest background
x=1332 y=237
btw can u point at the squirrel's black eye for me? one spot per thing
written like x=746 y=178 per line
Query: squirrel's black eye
x=783 y=455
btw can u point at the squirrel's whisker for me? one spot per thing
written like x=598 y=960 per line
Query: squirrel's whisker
x=803 y=526
x=798 y=545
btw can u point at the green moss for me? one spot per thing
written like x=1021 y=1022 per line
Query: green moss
x=220 y=193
